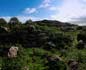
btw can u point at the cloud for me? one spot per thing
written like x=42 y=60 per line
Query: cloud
x=84 y=0
x=30 y=10
x=25 y=18
x=45 y=4
x=70 y=9
x=80 y=19
x=53 y=8
x=21 y=18
x=7 y=18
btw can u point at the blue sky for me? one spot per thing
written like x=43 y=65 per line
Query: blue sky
x=63 y=10
x=15 y=7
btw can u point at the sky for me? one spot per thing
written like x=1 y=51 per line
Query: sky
x=62 y=10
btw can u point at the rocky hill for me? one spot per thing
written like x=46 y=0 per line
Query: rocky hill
x=42 y=45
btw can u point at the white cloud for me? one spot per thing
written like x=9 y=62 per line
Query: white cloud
x=70 y=9
x=53 y=8
x=45 y=4
x=25 y=18
x=46 y=1
x=84 y=0
x=7 y=18
x=30 y=10
x=21 y=18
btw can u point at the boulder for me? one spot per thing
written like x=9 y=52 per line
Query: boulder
x=54 y=58
x=31 y=28
x=80 y=41
x=12 y=52
x=73 y=65
x=26 y=68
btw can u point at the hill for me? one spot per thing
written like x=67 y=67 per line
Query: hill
x=42 y=45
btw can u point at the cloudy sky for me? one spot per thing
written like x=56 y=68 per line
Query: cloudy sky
x=63 y=10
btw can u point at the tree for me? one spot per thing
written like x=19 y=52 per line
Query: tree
x=82 y=36
x=28 y=21
x=2 y=22
x=14 y=23
x=14 y=20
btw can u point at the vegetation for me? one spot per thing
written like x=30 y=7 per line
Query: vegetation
x=43 y=45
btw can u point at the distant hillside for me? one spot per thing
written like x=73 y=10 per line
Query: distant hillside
x=81 y=23
x=54 y=23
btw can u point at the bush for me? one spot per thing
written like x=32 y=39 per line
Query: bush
x=56 y=65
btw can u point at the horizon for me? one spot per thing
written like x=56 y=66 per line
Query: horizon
x=60 y=10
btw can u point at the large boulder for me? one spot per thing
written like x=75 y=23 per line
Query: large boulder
x=55 y=63
x=5 y=28
x=73 y=65
x=12 y=52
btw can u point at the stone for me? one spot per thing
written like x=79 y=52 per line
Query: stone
x=26 y=68
x=12 y=53
x=73 y=65
x=54 y=58
x=80 y=41
x=31 y=28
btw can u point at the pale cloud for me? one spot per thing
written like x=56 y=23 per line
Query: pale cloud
x=30 y=10
x=84 y=0
x=7 y=18
x=25 y=18
x=21 y=18
x=70 y=9
x=45 y=4
x=53 y=8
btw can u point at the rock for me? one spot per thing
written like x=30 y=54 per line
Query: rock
x=26 y=68
x=31 y=28
x=81 y=45
x=54 y=58
x=12 y=52
x=80 y=41
x=73 y=64
x=5 y=28
x=51 y=44
x=63 y=52
x=54 y=62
